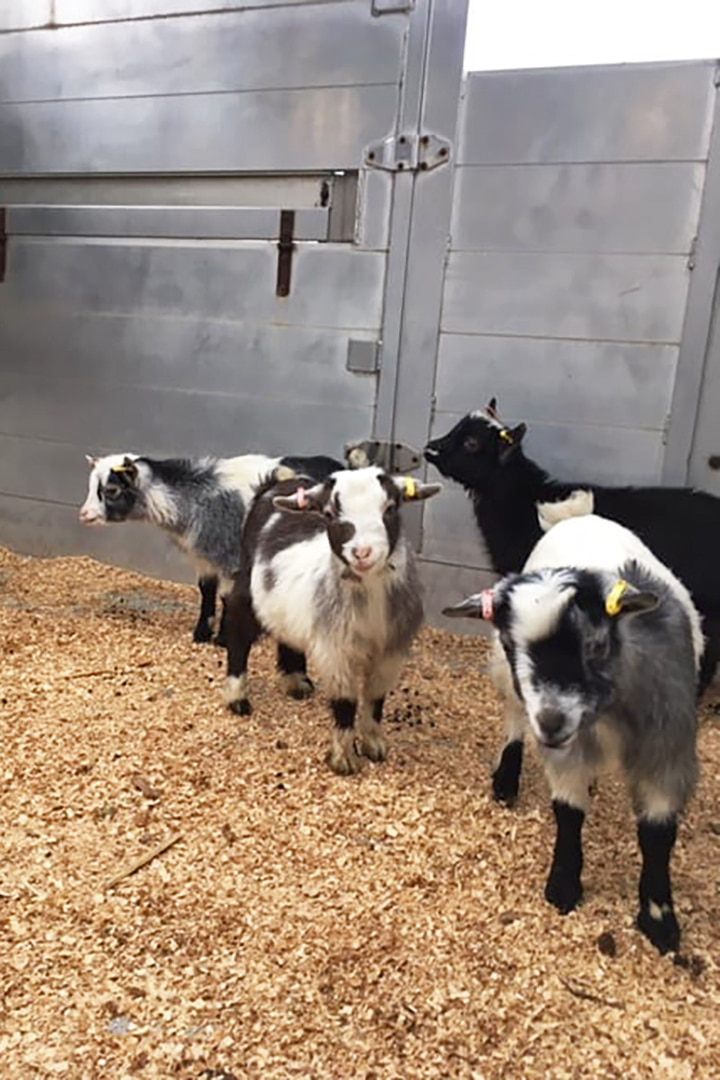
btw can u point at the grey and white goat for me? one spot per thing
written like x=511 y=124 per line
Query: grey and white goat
x=597 y=652
x=326 y=570
x=199 y=502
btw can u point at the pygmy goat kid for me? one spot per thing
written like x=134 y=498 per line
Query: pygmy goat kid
x=199 y=502
x=597 y=650
x=680 y=525
x=327 y=571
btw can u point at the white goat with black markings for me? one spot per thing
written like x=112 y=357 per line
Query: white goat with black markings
x=327 y=571
x=597 y=652
x=199 y=502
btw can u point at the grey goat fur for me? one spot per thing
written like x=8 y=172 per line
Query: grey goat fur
x=596 y=683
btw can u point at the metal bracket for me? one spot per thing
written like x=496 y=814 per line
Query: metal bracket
x=394 y=457
x=408 y=153
x=285 y=252
x=3 y=242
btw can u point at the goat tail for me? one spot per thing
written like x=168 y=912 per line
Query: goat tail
x=578 y=503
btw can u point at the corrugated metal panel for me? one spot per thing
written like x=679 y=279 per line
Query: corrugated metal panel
x=216 y=357
x=117 y=417
x=650 y=207
x=301 y=130
x=642 y=112
x=320 y=45
x=541 y=380
x=333 y=286
x=606 y=297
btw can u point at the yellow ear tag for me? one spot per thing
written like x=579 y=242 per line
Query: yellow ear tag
x=506 y=436
x=410 y=487
x=613 y=600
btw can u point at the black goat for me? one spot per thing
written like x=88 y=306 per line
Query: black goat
x=680 y=525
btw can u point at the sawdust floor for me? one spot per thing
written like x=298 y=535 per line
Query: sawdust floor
x=304 y=925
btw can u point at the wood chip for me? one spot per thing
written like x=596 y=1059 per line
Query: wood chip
x=387 y=926
x=143 y=860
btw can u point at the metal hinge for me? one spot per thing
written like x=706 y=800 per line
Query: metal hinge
x=3 y=243
x=408 y=153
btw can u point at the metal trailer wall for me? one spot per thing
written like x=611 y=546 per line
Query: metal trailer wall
x=575 y=213
x=146 y=151
x=145 y=157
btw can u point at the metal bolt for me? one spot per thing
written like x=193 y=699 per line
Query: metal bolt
x=714 y=461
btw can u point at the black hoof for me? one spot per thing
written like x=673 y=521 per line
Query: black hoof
x=564 y=892
x=202 y=634
x=242 y=707
x=505 y=790
x=663 y=932
x=221 y=641
x=303 y=691
x=506 y=778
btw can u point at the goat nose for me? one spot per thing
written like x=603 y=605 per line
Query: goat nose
x=551 y=722
x=362 y=552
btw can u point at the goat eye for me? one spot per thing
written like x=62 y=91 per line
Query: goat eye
x=471 y=444
x=390 y=509
x=112 y=491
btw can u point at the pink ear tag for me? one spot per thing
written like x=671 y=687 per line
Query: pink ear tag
x=301 y=498
x=486 y=604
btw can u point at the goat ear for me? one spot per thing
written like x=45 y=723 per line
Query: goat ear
x=92 y=461
x=477 y=606
x=130 y=469
x=302 y=501
x=625 y=599
x=491 y=408
x=412 y=490
x=511 y=440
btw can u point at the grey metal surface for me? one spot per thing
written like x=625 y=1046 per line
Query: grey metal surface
x=703 y=472
x=127 y=319
x=540 y=380
x=321 y=45
x=302 y=130
x=631 y=112
x=695 y=404
x=21 y=14
x=626 y=207
x=575 y=211
x=333 y=285
x=185 y=355
x=605 y=297
x=421 y=218
x=81 y=11
x=227 y=222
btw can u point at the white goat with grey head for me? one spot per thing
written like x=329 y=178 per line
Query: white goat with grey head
x=199 y=502
x=327 y=570
x=597 y=652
